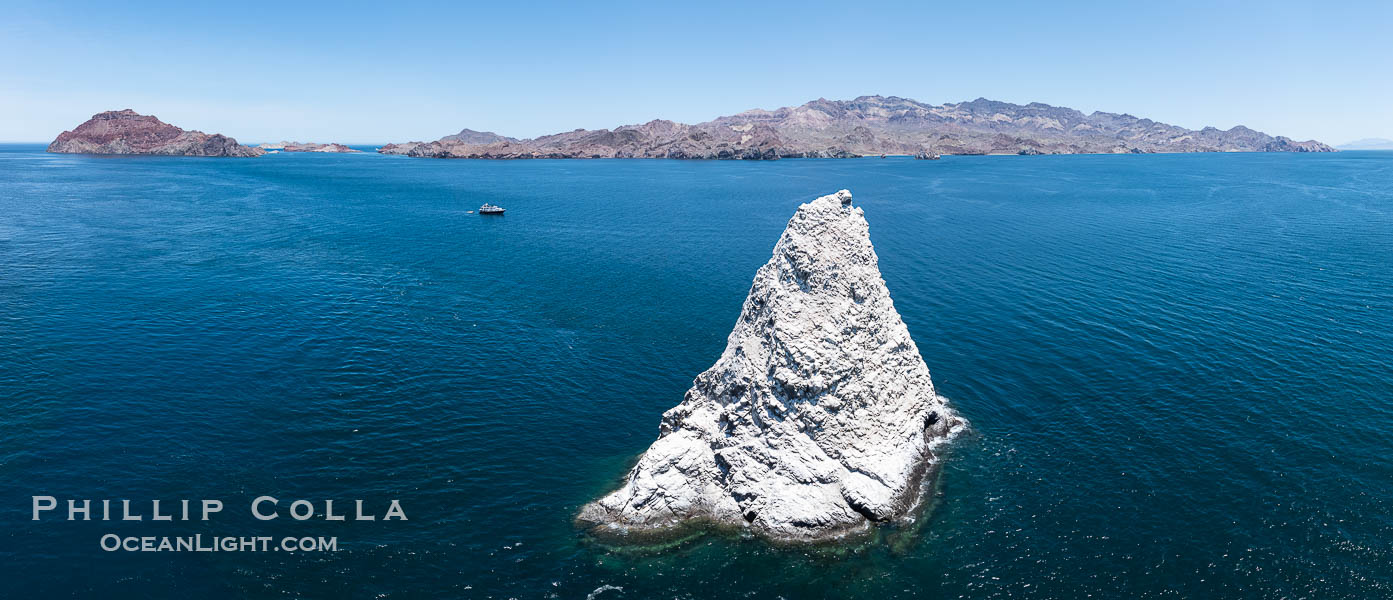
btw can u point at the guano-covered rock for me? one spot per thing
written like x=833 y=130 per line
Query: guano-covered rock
x=819 y=418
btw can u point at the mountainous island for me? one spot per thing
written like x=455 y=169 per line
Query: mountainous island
x=867 y=126
x=126 y=132
x=817 y=421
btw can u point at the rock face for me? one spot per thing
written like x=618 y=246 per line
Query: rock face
x=125 y=132
x=819 y=418
x=868 y=126
x=1286 y=144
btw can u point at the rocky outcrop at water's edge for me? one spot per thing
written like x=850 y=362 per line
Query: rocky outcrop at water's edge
x=819 y=419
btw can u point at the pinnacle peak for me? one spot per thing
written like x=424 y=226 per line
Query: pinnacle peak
x=818 y=364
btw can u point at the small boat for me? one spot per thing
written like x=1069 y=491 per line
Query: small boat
x=489 y=209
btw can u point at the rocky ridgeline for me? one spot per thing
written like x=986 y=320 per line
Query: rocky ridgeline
x=469 y=136
x=818 y=420
x=655 y=139
x=126 y=132
x=869 y=125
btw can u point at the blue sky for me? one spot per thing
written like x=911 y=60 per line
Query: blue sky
x=371 y=72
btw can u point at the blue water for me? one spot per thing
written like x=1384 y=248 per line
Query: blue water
x=1177 y=369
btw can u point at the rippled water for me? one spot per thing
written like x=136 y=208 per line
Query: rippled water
x=1177 y=368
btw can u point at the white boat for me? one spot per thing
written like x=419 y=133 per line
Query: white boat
x=489 y=209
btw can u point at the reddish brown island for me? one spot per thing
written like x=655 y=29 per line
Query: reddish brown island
x=127 y=132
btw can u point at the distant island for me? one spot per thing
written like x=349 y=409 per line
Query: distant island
x=1368 y=144
x=127 y=132
x=306 y=147
x=868 y=126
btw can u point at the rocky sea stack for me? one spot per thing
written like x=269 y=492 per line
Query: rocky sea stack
x=126 y=132
x=817 y=421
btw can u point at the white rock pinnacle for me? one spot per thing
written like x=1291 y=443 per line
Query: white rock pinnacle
x=818 y=419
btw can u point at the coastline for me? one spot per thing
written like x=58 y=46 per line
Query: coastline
x=860 y=156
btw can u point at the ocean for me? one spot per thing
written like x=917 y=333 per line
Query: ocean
x=1178 y=370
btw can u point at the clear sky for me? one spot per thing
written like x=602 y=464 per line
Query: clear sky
x=395 y=71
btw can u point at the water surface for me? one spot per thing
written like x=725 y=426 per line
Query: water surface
x=1177 y=368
